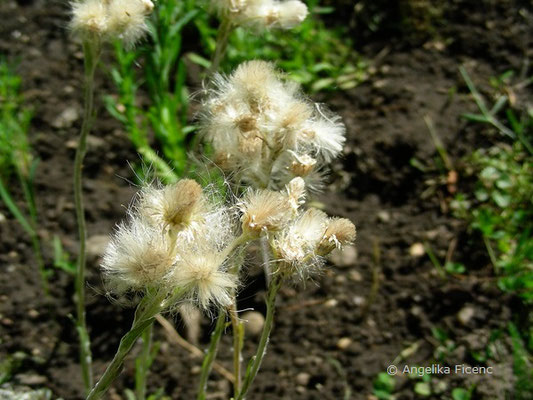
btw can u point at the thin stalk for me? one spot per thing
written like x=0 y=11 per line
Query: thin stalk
x=265 y=254
x=29 y=227
x=211 y=354
x=238 y=343
x=36 y=242
x=490 y=250
x=151 y=158
x=435 y=260
x=438 y=143
x=143 y=364
x=255 y=362
x=236 y=323
x=221 y=45
x=91 y=53
x=145 y=315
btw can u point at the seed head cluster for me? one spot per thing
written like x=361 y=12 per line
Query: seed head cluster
x=173 y=239
x=111 y=19
x=262 y=14
x=264 y=131
x=310 y=236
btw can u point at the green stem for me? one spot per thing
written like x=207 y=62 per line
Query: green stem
x=91 y=50
x=265 y=254
x=221 y=45
x=236 y=323
x=143 y=364
x=238 y=342
x=145 y=314
x=490 y=250
x=211 y=354
x=151 y=158
x=255 y=362
x=29 y=227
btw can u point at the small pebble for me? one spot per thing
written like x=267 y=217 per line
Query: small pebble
x=300 y=361
x=383 y=216
x=358 y=300
x=253 y=322
x=196 y=370
x=345 y=257
x=303 y=378
x=344 y=343
x=66 y=118
x=96 y=246
x=31 y=379
x=340 y=279
x=33 y=313
x=355 y=276
x=417 y=250
x=331 y=303
x=466 y=314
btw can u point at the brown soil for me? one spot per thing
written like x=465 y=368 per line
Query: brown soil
x=374 y=185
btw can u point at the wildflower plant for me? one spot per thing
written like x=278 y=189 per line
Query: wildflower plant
x=95 y=22
x=184 y=244
x=265 y=132
x=180 y=246
x=16 y=159
x=255 y=16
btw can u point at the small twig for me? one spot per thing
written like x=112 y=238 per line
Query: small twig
x=490 y=250
x=175 y=337
x=304 y=304
x=451 y=249
x=480 y=102
x=438 y=143
x=434 y=260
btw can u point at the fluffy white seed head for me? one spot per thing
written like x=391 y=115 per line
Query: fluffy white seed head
x=291 y=14
x=111 y=19
x=262 y=130
x=326 y=134
x=264 y=211
x=300 y=238
x=127 y=19
x=202 y=274
x=229 y=7
x=296 y=193
x=179 y=207
x=138 y=257
x=89 y=17
x=262 y=14
x=339 y=232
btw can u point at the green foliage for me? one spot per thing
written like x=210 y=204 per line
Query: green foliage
x=423 y=388
x=461 y=394
x=446 y=344
x=501 y=207
x=384 y=386
x=16 y=158
x=163 y=78
x=522 y=367
x=15 y=154
x=319 y=58
x=10 y=365
x=62 y=258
